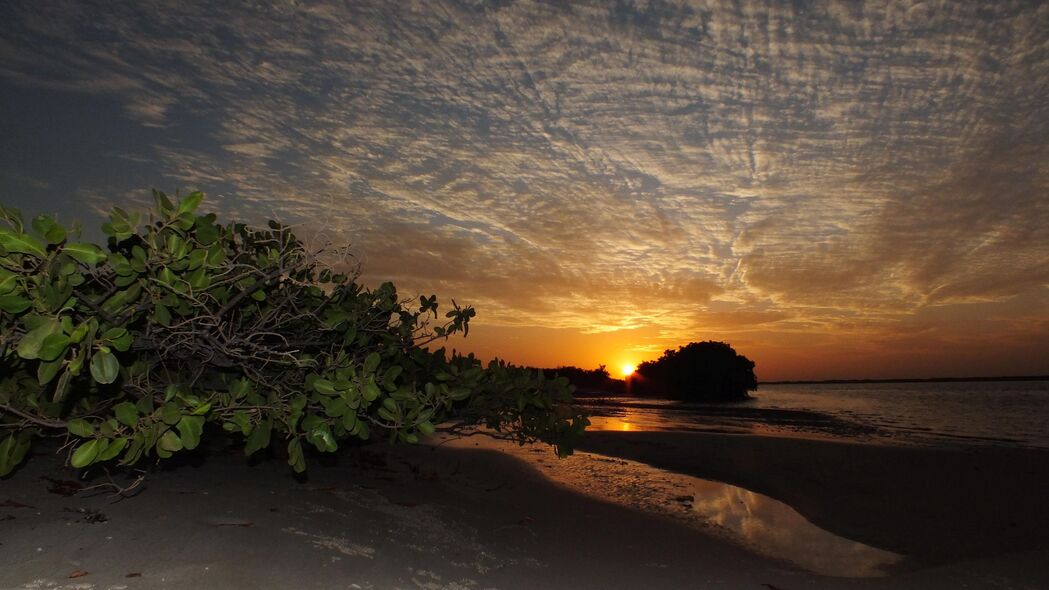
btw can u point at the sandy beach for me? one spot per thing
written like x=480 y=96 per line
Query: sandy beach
x=477 y=513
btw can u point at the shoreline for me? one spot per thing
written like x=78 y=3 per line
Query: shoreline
x=479 y=513
x=935 y=504
x=664 y=415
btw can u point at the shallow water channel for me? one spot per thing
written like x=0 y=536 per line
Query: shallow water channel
x=757 y=522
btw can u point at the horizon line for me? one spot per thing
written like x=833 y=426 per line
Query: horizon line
x=908 y=380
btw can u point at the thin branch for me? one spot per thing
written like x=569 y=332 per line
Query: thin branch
x=31 y=418
x=119 y=491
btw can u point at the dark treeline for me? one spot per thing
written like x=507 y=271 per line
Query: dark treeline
x=590 y=381
x=698 y=371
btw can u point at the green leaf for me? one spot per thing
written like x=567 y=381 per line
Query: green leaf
x=12 y=451
x=199 y=280
x=108 y=428
x=161 y=315
x=104 y=367
x=134 y=451
x=322 y=439
x=53 y=347
x=77 y=363
x=295 y=457
x=216 y=254
x=370 y=391
x=79 y=333
x=126 y=413
x=21 y=243
x=349 y=420
x=112 y=449
x=47 y=370
x=45 y=225
x=190 y=202
x=113 y=333
x=170 y=442
x=86 y=453
x=259 y=437
x=145 y=405
x=167 y=277
x=85 y=253
x=241 y=420
x=14 y=304
x=296 y=406
x=389 y=379
x=163 y=203
x=190 y=428
x=80 y=427
x=61 y=387
x=325 y=386
x=170 y=414
x=122 y=342
x=240 y=388
x=206 y=233
x=371 y=362
x=8 y=281
x=334 y=407
x=30 y=344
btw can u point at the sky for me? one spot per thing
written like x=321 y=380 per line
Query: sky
x=837 y=189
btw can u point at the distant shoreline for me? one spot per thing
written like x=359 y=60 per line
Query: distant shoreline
x=912 y=380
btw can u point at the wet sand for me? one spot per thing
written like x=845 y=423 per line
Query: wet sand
x=472 y=513
x=935 y=505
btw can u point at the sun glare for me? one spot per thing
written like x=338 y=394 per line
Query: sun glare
x=627 y=369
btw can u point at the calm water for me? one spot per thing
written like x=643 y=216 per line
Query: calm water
x=743 y=517
x=980 y=413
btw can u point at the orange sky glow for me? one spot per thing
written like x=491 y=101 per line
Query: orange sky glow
x=836 y=189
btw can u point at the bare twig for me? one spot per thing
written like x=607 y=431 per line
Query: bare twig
x=121 y=492
x=31 y=418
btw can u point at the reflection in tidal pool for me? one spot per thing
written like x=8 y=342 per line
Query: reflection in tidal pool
x=774 y=529
x=759 y=523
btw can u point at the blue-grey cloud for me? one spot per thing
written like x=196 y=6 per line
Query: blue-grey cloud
x=709 y=166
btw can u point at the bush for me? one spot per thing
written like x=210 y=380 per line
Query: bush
x=591 y=381
x=134 y=349
x=698 y=371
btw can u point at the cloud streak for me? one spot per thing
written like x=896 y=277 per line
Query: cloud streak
x=744 y=170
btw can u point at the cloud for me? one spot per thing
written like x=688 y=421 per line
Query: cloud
x=597 y=167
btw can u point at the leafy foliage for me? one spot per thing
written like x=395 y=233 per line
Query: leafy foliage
x=183 y=325
x=698 y=371
x=592 y=381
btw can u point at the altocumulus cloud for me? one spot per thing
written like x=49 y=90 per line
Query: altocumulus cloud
x=693 y=168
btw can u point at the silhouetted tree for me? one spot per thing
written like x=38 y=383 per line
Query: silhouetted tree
x=699 y=371
x=590 y=381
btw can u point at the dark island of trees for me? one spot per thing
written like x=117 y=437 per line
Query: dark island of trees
x=698 y=372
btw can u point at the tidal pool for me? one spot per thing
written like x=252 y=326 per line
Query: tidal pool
x=757 y=522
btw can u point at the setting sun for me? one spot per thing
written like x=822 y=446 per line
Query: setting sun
x=627 y=369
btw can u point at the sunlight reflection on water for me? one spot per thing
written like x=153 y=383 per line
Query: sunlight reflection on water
x=761 y=524
x=774 y=529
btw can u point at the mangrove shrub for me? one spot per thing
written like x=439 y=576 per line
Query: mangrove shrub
x=698 y=371
x=180 y=326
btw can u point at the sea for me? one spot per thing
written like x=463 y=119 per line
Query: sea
x=999 y=413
